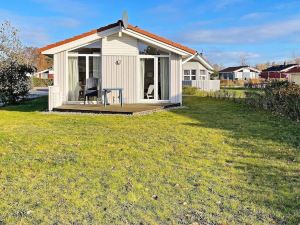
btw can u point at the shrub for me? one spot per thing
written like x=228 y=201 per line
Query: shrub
x=14 y=82
x=284 y=98
x=232 y=83
x=38 y=82
x=187 y=90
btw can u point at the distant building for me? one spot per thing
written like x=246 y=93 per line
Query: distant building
x=45 y=74
x=239 y=73
x=294 y=75
x=277 y=72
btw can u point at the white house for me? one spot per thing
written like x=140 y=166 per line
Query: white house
x=196 y=73
x=196 y=68
x=239 y=73
x=294 y=75
x=147 y=67
x=45 y=74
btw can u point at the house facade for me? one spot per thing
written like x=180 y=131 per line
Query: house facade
x=196 y=70
x=239 y=73
x=294 y=75
x=45 y=74
x=119 y=56
x=277 y=72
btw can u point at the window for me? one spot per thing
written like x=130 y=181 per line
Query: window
x=145 y=49
x=189 y=74
x=202 y=72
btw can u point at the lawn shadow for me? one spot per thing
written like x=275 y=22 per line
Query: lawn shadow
x=267 y=148
x=31 y=105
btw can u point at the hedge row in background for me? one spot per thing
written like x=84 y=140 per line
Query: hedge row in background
x=38 y=82
x=280 y=97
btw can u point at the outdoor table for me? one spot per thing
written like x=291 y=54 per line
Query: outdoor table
x=108 y=90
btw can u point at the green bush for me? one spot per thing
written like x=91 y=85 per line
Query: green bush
x=38 y=82
x=14 y=83
x=187 y=90
x=284 y=98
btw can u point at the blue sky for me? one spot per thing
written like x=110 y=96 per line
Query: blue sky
x=225 y=30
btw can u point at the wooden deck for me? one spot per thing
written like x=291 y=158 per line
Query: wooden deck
x=127 y=109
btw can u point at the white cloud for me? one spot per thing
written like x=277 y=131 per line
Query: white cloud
x=255 y=15
x=245 y=35
x=35 y=31
x=231 y=58
x=222 y=4
x=67 y=7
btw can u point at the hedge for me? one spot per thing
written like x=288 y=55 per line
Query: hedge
x=38 y=82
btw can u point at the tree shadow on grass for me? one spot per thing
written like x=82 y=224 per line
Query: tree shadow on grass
x=266 y=151
x=33 y=105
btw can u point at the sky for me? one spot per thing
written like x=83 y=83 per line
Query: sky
x=224 y=30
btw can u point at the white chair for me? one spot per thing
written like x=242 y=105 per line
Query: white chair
x=150 y=92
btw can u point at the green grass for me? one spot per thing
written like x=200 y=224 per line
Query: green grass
x=240 y=92
x=214 y=162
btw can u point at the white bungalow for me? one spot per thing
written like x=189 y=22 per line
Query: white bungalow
x=239 y=73
x=148 y=68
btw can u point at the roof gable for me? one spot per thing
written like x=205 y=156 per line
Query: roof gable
x=118 y=24
x=237 y=68
x=294 y=70
x=279 y=68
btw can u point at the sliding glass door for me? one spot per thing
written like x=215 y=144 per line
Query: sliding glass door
x=81 y=68
x=154 y=78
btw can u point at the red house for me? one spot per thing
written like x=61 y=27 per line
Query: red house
x=277 y=72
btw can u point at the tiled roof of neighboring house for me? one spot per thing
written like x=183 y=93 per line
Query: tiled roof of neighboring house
x=131 y=27
x=278 y=68
x=294 y=70
x=232 y=69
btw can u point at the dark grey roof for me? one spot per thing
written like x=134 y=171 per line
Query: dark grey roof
x=278 y=68
x=232 y=69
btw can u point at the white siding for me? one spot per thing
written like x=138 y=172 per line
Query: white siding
x=193 y=65
x=205 y=85
x=120 y=76
x=176 y=79
x=115 y=45
x=60 y=79
x=295 y=78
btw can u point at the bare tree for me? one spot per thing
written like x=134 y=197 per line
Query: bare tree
x=243 y=60
x=295 y=58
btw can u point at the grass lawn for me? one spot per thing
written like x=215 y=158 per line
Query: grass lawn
x=240 y=92
x=215 y=162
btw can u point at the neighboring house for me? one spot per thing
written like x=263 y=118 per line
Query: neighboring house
x=277 y=72
x=45 y=74
x=196 y=69
x=294 y=75
x=147 y=67
x=239 y=73
x=196 y=73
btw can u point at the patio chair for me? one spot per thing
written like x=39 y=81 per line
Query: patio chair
x=92 y=89
x=150 y=92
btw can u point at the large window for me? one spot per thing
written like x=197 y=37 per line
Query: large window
x=154 y=78
x=145 y=49
x=189 y=74
x=83 y=63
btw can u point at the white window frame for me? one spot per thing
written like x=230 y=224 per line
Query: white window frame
x=190 y=75
x=70 y=54
x=155 y=57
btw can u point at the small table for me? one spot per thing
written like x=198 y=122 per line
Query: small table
x=108 y=90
